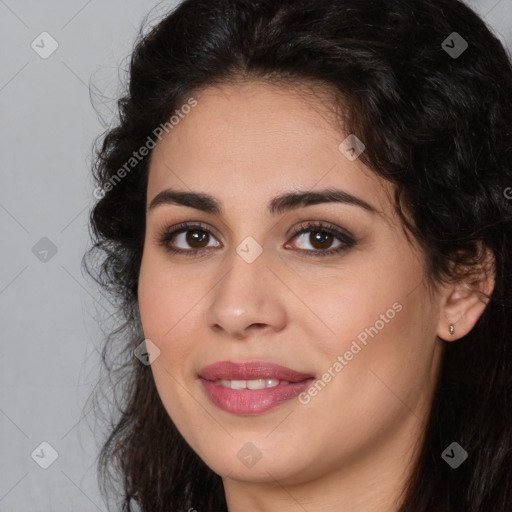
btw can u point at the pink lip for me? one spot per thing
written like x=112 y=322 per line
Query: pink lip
x=229 y=370
x=251 y=401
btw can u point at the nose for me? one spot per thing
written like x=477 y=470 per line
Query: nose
x=248 y=299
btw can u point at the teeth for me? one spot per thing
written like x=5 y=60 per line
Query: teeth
x=251 y=384
x=237 y=384
x=257 y=384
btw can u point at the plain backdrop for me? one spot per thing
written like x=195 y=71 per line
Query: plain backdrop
x=49 y=311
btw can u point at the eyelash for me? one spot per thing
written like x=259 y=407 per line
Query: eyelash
x=347 y=241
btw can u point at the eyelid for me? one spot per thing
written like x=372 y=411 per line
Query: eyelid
x=320 y=225
x=165 y=229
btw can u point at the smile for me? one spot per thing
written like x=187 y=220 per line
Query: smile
x=253 y=387
x=251 y=384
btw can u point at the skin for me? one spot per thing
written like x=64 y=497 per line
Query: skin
x=350 y=448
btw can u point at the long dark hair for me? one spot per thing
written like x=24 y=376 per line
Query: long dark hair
x=436 y=124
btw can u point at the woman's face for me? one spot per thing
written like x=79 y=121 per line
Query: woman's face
x=344 y=304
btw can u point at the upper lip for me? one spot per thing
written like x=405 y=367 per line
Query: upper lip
x=229 y=370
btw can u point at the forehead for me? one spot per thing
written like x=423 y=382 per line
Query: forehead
x=247 y=142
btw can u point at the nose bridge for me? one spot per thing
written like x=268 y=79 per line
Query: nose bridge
x=242 y=284
x=244 y=296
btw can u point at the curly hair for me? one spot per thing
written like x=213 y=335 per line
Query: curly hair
x=437 y=126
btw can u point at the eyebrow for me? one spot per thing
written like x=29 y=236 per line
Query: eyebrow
x=279 y=204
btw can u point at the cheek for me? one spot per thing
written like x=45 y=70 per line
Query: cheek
x=360 y=307
x=379 y=350
x=374 y=391
x=381 y=372
x=166 y=303
x=166 y=297
x=172 y=317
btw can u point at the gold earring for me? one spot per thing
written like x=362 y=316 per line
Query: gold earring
x=452 y=330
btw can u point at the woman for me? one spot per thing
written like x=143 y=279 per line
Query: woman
x=303 y=215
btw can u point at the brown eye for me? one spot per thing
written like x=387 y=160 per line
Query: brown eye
x=187 y=239
x=321 y=239
x=318 y=240
x=194 y=239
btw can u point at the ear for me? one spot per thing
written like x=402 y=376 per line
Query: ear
x=463 y=302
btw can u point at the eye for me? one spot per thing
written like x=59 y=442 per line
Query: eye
x=321 y=237
x=196 y=236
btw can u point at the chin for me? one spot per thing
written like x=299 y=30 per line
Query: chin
x=251 y=464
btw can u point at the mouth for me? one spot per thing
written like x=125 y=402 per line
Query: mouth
x=251 y=384
x=252 y=387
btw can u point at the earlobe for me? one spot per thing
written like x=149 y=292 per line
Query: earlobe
x=461 y=315
x=465 y=304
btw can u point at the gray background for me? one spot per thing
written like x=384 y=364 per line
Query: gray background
x=52 y=315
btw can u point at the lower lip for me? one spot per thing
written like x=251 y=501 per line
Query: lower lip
x=252 y=401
